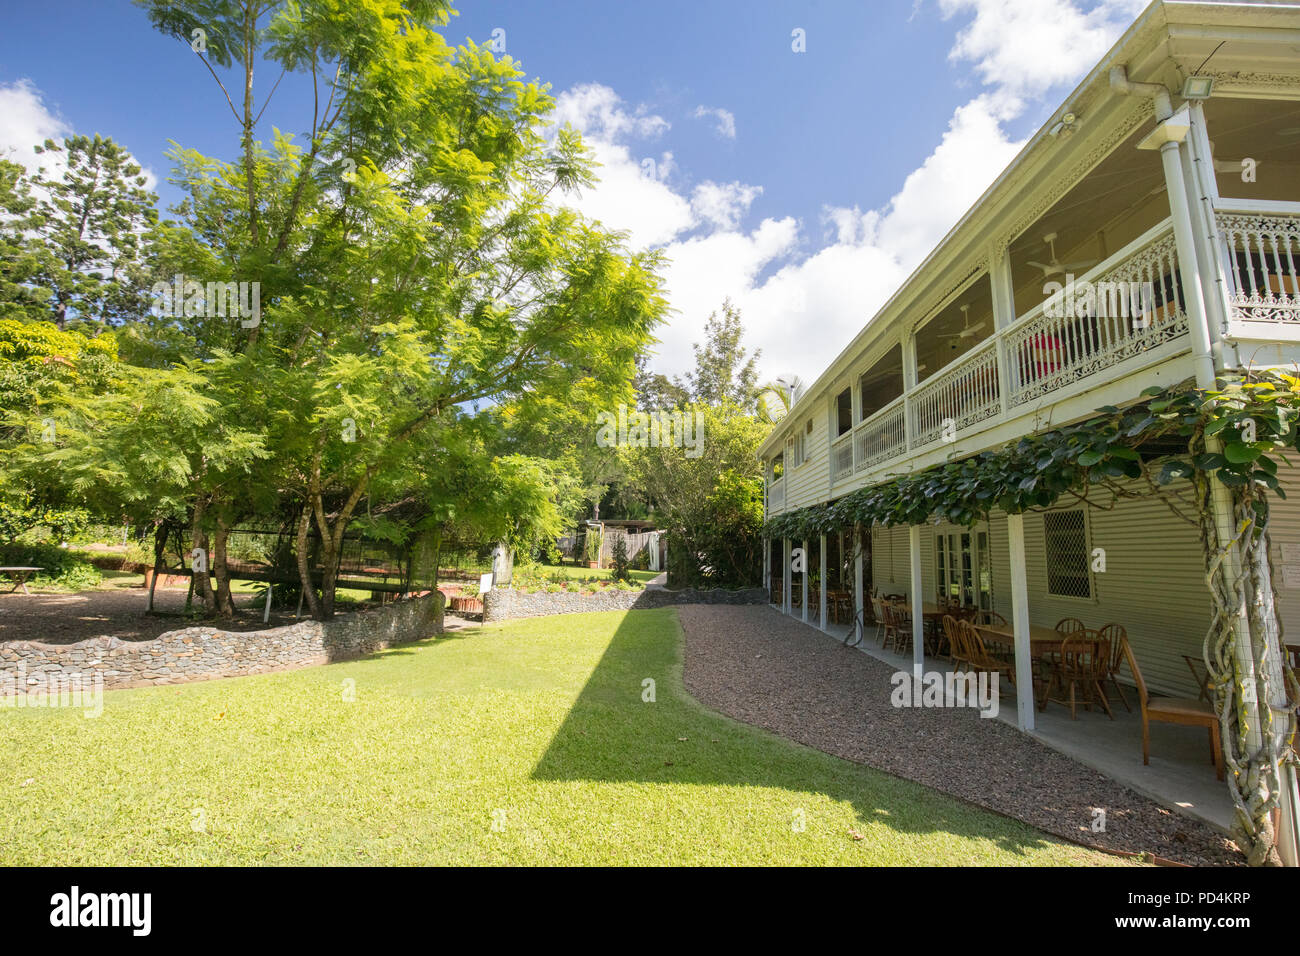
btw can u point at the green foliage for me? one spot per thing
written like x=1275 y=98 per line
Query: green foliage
x=619 y=572
x=724 y=373
x=62 y=569
x=711 y=504
x=94 y=222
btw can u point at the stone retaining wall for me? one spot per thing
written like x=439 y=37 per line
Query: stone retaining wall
x=199 y=653
x=504 y=603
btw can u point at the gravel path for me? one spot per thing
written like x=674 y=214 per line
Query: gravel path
x=760 y=667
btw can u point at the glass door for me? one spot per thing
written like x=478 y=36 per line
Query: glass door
x=963 y=568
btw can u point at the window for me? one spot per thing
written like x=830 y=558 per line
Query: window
x=1065 y=535
x=844 y=412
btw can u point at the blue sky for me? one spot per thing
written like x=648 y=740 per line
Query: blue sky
x=804 y=185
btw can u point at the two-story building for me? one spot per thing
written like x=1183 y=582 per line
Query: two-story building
x=1169 y=179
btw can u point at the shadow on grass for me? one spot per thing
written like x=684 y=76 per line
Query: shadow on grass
x=612 y=735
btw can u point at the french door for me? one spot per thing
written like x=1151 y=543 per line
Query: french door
x=963 y=567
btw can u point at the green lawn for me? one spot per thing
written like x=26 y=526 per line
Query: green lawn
x=526 y=742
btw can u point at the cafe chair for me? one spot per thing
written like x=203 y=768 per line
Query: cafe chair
x=1173 y=710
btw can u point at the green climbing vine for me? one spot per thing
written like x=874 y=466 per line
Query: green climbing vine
x=1227 y=442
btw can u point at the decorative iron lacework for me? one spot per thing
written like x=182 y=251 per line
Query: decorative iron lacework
x=1262 y=255
x=1053 y=351
x=881 y=440
x=964 y=396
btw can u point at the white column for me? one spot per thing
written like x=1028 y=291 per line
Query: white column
x=786 y=577
x=859 y=599
x=908 y=345
x=1004 y=314
x=821 y=570
x=767 y=569
x=803 y=583
x=1020 y=622
x=918 y=602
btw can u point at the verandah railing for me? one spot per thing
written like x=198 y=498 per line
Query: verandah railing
x=880 y=437
x=1262 y=253
x=1121 y=308
x=1129 y=304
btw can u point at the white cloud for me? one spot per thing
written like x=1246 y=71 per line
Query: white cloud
x=724 y=121
x=1025 y=46
x=803 y=302
x=723 y=204
x=600 y=113
x=25 y=121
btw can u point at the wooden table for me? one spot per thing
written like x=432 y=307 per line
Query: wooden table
x=1042 y=639
x=19 y=574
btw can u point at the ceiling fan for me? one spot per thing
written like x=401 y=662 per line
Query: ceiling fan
x=967 y=330
x=1056 y=265
x=1228 y=165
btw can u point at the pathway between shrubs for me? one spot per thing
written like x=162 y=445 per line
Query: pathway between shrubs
x=765 y=669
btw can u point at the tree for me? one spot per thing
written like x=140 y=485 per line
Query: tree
x=409 y=256
x=710 y=505
x=774 y=399
x=21 y=260
x=94 y=219
x=723 y=372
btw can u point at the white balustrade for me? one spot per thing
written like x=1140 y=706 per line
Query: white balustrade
x=880 y=437
x=1124 y=307
x=1262 y=254
x=963 y=395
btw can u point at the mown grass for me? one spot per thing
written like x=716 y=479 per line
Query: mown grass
x=526 y=743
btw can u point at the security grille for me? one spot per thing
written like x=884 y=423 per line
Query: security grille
x=1066 y=534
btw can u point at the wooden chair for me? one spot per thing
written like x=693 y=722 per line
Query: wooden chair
x=902 y=631
x=977 y=654
x=1080 y=663
x=1115 y=633
x=1173 y=710
x=889 y=624
x=957 y=653
x=988 y=619
x=1070 y=625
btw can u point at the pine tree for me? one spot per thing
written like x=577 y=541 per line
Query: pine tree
x=94 y=220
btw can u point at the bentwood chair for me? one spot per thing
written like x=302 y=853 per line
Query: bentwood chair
x=977 y=655
x=957 y=653
x=902 y=635
x=1080 y=663
x=1070 y=625
x=1173 y=710
x=1114 y=634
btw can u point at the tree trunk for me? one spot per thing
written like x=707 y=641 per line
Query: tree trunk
x=225 y=603
x=159 y=549
x=199 y=563
x=304 y=563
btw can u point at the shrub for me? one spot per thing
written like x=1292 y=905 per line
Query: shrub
x=62 y=569
x=621 y=562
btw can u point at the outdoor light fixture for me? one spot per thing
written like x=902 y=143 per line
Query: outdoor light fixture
x=1198 y=87
x=1066 y=125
